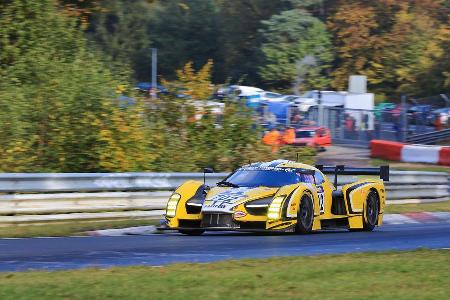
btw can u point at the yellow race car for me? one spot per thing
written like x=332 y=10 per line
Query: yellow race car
x=280 y=195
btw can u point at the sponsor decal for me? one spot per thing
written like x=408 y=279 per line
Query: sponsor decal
x=277 y=169
x=226 y=200
x=239 y=214
x=229 y=196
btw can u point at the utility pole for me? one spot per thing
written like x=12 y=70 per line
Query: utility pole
x=154 y=74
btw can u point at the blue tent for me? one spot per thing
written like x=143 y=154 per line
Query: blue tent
x=279 y=109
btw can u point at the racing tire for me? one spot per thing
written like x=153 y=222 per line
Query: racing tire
x=191 y=231
x=305 y=215
x=371 y=210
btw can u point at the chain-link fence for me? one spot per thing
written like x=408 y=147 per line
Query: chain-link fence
x=391 y=121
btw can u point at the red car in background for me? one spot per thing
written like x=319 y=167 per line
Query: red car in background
x=313 y=136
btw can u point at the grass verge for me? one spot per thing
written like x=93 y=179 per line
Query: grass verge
x=409 y=166
x=68 y=228
x=422 y=274
x=419 y=207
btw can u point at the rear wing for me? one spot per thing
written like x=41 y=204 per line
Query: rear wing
x=382 y=171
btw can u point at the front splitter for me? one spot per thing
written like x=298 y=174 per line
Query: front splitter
x=226 y=229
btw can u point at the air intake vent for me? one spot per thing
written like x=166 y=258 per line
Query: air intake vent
x=218 y=220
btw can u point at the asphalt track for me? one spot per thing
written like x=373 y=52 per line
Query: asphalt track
x=161 y=249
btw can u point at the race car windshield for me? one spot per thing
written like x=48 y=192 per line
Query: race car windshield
x=269 y=178
x=304 y=134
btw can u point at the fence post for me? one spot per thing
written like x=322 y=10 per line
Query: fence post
x=320 y=109
x=404 y=121
x=288 y=116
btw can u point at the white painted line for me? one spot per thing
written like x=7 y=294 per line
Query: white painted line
x=398 y=219
x=139 y=230
x=441 y=215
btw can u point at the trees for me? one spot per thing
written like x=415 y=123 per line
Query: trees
x=399 y=45
x=196 y=85
x=193 y=136
x=57 y=98
x=121 y=31
x=183 y=31
x=289 y=38
x=239 y=42
x=353 y=25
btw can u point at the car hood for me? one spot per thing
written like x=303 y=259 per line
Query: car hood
x=304 y=140
x=224 y=199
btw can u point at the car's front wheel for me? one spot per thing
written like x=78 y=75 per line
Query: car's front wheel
x=305 y=215
x=191 y=231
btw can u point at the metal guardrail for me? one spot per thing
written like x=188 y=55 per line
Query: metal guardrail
x=102 y=182
x=37 y=198
x=97 y=182
x=430 y=137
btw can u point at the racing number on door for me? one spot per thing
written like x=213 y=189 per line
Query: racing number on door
x=320 y=194
x=321 y=203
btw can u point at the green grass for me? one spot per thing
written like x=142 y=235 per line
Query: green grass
x=422 y=274
x=69 y=228
x=409 y=166
x=419 y=207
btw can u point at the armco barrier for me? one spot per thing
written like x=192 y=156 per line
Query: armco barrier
x=42 y=198
x=97 y=182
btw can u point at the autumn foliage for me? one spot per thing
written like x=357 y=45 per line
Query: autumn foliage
x=402 y=45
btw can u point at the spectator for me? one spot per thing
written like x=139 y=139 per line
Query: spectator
x=377 y=128
x=438 y=123
x=349 y=126
x=365 y=122
x=289 y=136
x=296 y=118
x=272 y=138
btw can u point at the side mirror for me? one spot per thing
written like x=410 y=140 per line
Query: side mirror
x=206 y=170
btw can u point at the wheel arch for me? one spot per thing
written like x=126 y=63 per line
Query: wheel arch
x=355 y=195
x=293 y=200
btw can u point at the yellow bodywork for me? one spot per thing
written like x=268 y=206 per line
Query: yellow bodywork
x=355 y=195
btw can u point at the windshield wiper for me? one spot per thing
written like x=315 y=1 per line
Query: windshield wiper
x=226 y=183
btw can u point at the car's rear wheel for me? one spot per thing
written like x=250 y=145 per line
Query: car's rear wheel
x=371 y=211
x=191 y=231
x=305 y=215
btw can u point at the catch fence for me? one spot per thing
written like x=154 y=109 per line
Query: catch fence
x=395 y=122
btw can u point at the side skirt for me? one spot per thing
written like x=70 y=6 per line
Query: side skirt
x=335 y=223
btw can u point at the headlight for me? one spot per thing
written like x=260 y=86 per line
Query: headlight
x=172 y=205
x=275 y=208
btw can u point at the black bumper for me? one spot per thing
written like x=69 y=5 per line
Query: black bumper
x=226 y=229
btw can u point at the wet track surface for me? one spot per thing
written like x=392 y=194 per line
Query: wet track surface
x=160 y=249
